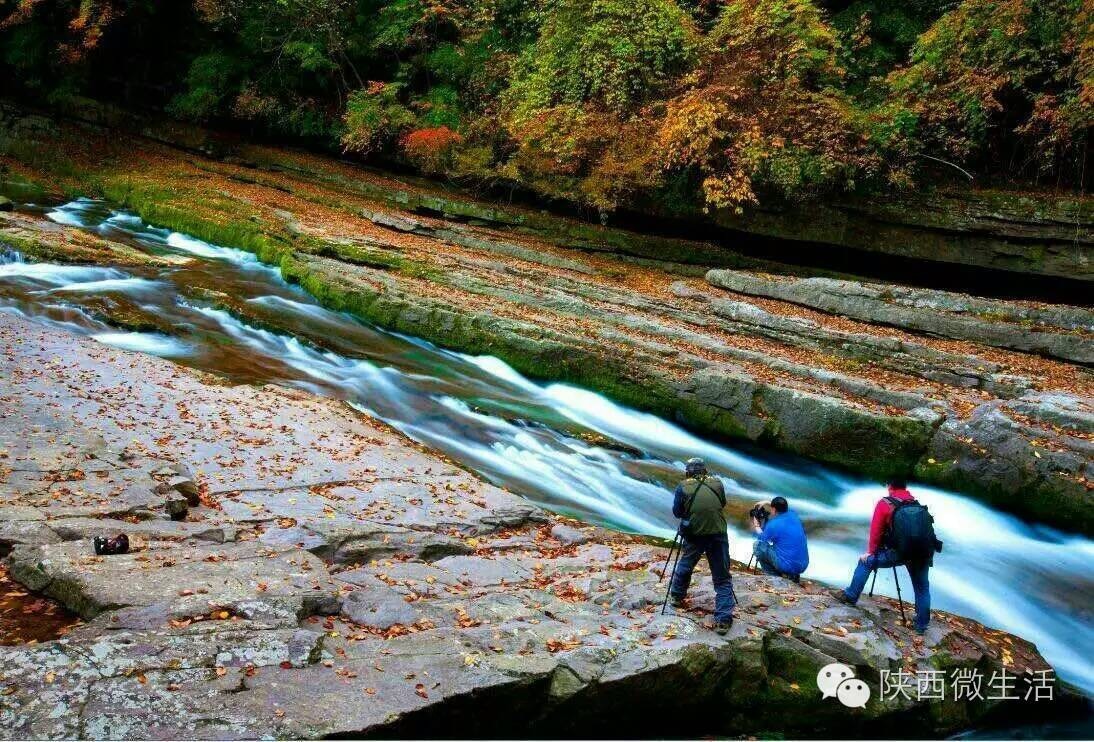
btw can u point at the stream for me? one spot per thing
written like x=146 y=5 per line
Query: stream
x=567 y=449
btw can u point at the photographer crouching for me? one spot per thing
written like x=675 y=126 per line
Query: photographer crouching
x=780 y=546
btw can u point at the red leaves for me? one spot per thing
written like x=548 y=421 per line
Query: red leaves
x=430 y=148
x=570 y=594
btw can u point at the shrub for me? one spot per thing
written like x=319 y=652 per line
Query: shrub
x=999 y=84
x=431 y=149
x=607 y=53
x=374 y=118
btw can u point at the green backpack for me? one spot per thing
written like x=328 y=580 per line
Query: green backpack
x=706 y=498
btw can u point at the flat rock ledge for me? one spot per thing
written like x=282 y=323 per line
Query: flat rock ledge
x=301 y=571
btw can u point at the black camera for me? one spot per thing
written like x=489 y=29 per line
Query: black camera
x=107 y=546
x=759 y=512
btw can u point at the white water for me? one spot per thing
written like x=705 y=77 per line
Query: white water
x=567 y=448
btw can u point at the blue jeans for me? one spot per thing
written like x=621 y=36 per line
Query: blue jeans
x=884 y=559
x=716 y=550
x=769 y=561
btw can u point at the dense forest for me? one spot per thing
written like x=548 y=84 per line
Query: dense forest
x=677 y=103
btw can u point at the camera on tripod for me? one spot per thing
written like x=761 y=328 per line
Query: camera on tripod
x=760 y=513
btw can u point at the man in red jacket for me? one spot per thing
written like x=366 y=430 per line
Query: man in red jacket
x=880 y=555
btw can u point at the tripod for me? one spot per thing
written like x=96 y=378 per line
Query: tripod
x=899 y=597
x=675 y=547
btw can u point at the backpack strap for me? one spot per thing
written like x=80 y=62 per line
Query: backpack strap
x=703 y=483
x=721 y=497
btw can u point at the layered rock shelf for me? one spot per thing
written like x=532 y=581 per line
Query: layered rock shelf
x=1057 y=331
x=299 y=570
x=1036 y=234
x=981 y=395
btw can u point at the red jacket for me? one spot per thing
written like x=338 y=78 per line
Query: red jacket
x=883 y=516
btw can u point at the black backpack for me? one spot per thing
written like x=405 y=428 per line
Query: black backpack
x=911 y=533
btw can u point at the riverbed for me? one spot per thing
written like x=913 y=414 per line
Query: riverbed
x=566 y=448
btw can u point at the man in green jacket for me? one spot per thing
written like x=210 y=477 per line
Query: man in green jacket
x=699 y=503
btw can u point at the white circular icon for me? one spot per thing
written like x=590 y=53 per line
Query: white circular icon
x=853 y=693
x=830 y=676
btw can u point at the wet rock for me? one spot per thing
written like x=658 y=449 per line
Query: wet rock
x=1025 y=468
x=176 y=506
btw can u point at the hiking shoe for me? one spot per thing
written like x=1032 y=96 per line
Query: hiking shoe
x=722 y=627
x=676 y=601
x=842 y=597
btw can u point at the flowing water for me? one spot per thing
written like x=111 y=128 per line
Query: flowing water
x=568 y=449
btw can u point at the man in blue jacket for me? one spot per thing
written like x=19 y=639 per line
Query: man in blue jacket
x=780 y=546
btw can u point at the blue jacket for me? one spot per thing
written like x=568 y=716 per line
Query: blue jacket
x=787 y=536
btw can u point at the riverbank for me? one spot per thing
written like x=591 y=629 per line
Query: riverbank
x=317 y=561
x=986 y=397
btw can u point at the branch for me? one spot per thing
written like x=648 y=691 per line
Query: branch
x=963 y=171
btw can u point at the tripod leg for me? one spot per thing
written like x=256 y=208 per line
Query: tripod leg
x=668 y=588
x=675 y=541
x=873 y=583
x=900 y=599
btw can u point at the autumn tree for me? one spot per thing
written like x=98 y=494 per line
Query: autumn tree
x=763 y=109
x=584 y=82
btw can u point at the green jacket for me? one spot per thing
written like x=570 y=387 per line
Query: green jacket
x=700 y=503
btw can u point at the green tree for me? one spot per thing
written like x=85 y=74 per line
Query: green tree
x=1002 y=85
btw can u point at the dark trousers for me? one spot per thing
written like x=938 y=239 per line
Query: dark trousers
x=884 y=559
x=716 y=550
x=769 y=561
